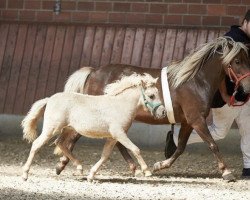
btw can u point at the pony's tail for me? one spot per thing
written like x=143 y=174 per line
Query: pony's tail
x=29 y=123
x=77 y=80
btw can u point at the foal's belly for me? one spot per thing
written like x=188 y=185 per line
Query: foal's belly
x=95 y=134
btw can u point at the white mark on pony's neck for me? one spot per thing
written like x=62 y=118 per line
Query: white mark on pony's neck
x=127 y=82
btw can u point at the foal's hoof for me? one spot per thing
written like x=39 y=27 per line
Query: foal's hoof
x=139 y=173
x=90 y=178
x=229 y=177
x=78 y=172
x=25 y=176
x=147 y=173
x=59 y=169
x=157 y=167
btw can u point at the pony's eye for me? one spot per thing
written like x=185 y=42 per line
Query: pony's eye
x=237 y=61
x=152 y=96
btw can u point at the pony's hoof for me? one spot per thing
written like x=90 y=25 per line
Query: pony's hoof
x=157 y=167
x=78 y=173
x=139 y=173
x=147 y=173
x=229 y=177
x=59 y=169
x=90 y=178
x=25 y=176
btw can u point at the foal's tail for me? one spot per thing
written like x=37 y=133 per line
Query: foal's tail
x=29 y=123
x=77 y=80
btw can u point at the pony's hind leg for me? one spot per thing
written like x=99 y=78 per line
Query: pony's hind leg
x=45 y=136
x=67 y=138
x=107 y=149
x=69 y=155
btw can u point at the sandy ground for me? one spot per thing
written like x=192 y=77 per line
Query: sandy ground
x=193 y=176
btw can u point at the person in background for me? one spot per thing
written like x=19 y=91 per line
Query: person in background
x=223 y=113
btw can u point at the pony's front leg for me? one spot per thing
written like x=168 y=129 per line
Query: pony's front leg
x=107 y=149
x=203 y=131
x=184 y=134
x=122 y=137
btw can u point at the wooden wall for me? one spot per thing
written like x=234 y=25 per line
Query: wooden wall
x=36 y=59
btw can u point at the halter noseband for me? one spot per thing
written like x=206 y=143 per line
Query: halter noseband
x=236 y=79
x=151 y=106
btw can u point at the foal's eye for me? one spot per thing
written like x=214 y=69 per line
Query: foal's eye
x=152 y=96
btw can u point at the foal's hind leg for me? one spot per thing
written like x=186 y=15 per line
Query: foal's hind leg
x=185 y=132
x=107 y=149
x=36 y=145
x=67 y=138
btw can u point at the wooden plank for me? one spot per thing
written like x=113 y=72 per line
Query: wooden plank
x=108 y=46
x=66 y=58
x=148 y=48
x=45 y=64
x=138 y=45
x=88 y=46
x=191 y=41
x=15 y=69
x=212 y=35
x=202 y=37
x=128 y=46
x=4 y=29
x=7 y=63
x=55 y=61
x=97 y=47
x=180 y=45
x=35 y=67
x=118 y=45
x=169 y=47
x=25 y=68
x=222 y=32
x=77 y=50
x=158 y=48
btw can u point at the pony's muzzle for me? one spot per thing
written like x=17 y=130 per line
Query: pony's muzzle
x=160 y=112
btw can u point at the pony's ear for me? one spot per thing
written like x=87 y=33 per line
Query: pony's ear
x=143 y=84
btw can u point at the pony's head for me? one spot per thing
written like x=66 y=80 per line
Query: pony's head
x=146 y=85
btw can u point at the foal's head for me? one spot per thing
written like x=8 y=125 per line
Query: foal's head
x=145 y=85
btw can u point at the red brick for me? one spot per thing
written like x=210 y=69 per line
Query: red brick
x=192 y=1
x=159 y=8
x=2 y=4
x=236 y=10
x=245 y=2
x=230 y=2
x=15 y=4
x=212 y=1
x=197 y=9
x=191 y=20
x=63 y=17
x=211 y=20
x=139 y=7
x=99 y=17
x=117 y=17
x=10 y=14
x=122 y=7
x=68 y=5
x=216 y=10
x=87 y=6
x=177 y=8
x=27 y=15
x=173 y=19
x=80 y=16
x=44 y=16
x=133 y=18
x=103 y=6
x=154 y=19
x=32 y=4
x=48 y=5
x=228 y=21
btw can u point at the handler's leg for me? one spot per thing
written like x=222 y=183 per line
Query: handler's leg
x=243 y=122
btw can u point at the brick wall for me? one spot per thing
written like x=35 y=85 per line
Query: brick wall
x=194 y=13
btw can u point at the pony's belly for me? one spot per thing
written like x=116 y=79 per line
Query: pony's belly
x=95 y=134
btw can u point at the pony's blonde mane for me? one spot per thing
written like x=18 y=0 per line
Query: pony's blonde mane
x=126 y=82
x=186 y=69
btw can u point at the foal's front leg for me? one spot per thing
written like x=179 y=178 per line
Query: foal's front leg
x=121 y=136
x=107 y=149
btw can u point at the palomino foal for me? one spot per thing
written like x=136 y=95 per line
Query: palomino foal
x=106 y=116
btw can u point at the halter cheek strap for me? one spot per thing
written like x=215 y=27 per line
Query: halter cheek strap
x=151 y=106
x=236 y=79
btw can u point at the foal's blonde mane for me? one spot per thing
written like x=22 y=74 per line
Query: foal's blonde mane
x=126 y=82
x=186 y=69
